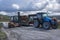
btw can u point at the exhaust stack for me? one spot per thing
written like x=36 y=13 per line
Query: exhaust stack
x=19 y=17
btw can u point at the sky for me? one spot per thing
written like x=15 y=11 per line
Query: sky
x=8 y=7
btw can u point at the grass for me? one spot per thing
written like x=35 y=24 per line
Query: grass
x=4 y=20
x=3 y=35
x=1 y=25
x=59 y=26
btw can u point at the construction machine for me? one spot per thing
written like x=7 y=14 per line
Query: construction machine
x=17 y=21
x=40 y=19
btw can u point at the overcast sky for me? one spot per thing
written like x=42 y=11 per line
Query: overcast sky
x=8 y=7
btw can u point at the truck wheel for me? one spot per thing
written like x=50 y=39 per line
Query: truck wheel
x=55 y=25
x=46 y=25
x=36 y=24
x=10 y=26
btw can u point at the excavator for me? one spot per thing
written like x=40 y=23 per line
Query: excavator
x=17 y=21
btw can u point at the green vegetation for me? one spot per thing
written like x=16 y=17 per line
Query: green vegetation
x=1 y=25
x=59 y=26
x=3 y=36
x=4 y=18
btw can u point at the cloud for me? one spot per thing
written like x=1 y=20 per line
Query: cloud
x=53 y=6
x=54 y=14
x=28 y=12
x=3 y=13
x=58 y=1
x=10 y=6
x=15 y=6
x=8 y=13
x=39 y=5
x=13 y=13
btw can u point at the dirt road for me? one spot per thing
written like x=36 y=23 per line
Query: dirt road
x=31 y=33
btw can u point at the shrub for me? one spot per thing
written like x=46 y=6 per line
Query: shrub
x=1 y=25
x=3 y=36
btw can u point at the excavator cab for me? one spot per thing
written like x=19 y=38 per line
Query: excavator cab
x=14 y=19
x=13 y=22
x=17 y=21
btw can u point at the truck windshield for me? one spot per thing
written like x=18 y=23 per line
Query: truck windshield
x=44 y=15
x=11 y=18
x=16 y=18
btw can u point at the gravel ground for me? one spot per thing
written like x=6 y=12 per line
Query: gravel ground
x=31 y=33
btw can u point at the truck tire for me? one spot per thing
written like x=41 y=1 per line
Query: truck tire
x=36 y=24
x=46 y=25
x=55 y=25
x=10 y=26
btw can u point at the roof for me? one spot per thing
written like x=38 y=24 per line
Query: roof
x=42 y=13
